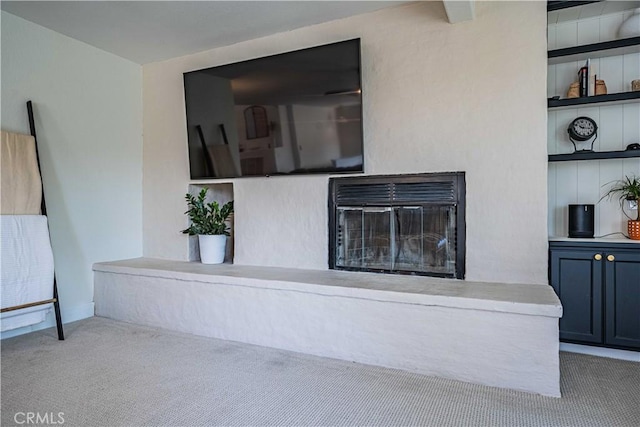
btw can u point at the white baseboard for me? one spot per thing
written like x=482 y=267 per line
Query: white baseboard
x=612 y=353
x=70 y=315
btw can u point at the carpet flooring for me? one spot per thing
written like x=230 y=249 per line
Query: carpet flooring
x=110 y=373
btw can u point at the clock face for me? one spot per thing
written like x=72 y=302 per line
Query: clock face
x=582 y=128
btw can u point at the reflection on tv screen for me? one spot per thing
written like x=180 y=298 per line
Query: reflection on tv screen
x=294 y=113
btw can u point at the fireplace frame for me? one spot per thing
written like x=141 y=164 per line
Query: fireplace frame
x=457 y=199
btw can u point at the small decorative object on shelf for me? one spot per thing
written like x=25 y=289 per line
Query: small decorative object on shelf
x=635 y=85
x=628 y=192
x=583 y=79
x=631 y=26
x=633 y=227
x=587 y=84
x=581 y=221
x=582 y=129
x=574 y=90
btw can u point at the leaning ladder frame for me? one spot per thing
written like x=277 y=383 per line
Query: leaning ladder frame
x=43 y=209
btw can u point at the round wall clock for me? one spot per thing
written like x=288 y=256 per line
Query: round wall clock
x=583 y=129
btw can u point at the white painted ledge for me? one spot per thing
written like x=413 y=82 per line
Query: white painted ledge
x=487 y=333
x=600 y=240
x=538 y=300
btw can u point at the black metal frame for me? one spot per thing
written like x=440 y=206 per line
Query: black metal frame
x=460 y=205
x=43 y=208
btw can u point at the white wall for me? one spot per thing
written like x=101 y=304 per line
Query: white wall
x=618 y=126
x=88 y=111
x=437 y=97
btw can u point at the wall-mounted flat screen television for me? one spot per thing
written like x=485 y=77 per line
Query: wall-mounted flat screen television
x=294 y=113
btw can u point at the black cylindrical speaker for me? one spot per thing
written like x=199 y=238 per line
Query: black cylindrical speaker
x=581 y=219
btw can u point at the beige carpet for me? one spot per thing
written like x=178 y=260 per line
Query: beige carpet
x=110 y=373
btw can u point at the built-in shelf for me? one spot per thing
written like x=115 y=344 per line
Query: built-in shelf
x=564 y=11
x=587 y=302
x=600 y=50
x=558 y=5
x=611 y=241
x=594 y=155
x=211 y=181
x=617 y=98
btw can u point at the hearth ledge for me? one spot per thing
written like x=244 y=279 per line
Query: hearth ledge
x=536 y=300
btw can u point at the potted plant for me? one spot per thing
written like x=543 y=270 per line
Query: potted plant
x=628 y=189
x=209 y=223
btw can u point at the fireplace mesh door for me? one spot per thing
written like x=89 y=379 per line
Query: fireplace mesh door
x=417 y=236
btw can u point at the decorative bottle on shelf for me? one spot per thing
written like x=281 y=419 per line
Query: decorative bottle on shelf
x=631 y=26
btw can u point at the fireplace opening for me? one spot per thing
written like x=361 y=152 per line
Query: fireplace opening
x=404 y=224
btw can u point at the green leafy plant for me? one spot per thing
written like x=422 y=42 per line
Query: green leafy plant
x=625 y=189
x=207 y=218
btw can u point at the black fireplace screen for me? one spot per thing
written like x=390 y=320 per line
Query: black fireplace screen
x=412 y=224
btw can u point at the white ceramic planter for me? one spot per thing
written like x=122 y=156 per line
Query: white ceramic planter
x=212 y=248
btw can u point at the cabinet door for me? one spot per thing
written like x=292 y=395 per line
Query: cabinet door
x=622 y=284
x=576 y=276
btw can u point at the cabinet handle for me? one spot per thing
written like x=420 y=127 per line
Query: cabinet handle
x=597 y=257
x=611 y=258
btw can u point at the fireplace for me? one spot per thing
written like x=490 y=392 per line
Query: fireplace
x=402 y=224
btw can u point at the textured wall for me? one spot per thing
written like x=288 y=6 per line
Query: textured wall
x=437 y=97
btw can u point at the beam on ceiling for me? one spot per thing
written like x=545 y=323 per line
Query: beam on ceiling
x=460 y=10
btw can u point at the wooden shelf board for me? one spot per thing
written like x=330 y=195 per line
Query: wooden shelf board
x=619 y=242
x=600 y=50
x=622 y=97
x=594 y=155
x=558 y=5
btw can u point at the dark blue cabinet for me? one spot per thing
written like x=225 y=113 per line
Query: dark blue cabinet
x=576 y=276
x=622 y=299
x=599 y=287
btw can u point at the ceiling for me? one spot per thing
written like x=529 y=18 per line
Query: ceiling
x=150 y=31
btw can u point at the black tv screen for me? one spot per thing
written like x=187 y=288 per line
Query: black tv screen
x=294 y=113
